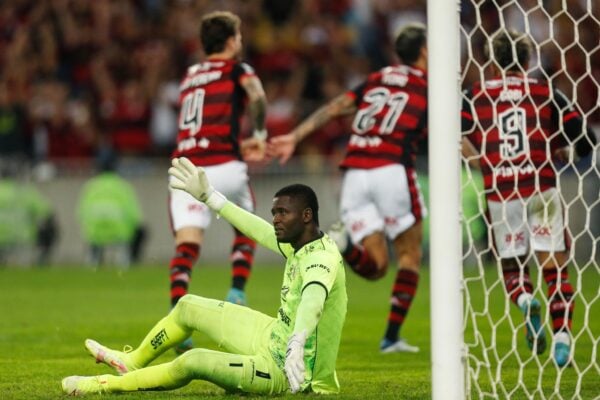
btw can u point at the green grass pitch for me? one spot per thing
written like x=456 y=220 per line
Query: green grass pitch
x=45 y=315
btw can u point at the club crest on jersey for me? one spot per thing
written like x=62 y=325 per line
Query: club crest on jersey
x=291 y=273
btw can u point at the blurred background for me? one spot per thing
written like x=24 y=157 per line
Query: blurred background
x=81 y=78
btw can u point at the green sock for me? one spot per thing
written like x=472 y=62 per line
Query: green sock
x=164 y=335
x=156 y=377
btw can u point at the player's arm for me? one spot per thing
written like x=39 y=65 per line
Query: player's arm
x=253 y=148
x=572 y=125
x=192 y=179
x=308 y=315
x=283 y=147
x=318 y=271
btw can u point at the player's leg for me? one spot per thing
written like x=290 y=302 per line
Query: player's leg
x=366 y=250
x=407 y=246
x=511 y=241
x=242 y=257
x=189 y=219
x=550 y=240
x=231 y=179
x=235 y=328
x=402 y=206
x=236 y=373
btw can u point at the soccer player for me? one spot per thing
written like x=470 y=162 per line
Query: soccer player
x=261 y=351
x=213 y=95
x=380 y=195
x=516 y=127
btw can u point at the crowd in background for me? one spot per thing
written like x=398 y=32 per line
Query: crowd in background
x=79 y=75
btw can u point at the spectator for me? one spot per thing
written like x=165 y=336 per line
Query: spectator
x=110 y=215
x=27 y=221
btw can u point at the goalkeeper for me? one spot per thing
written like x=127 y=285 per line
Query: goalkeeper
x=263 y=355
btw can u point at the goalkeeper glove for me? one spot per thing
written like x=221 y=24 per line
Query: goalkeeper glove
x=294 y=360
x=192 y=179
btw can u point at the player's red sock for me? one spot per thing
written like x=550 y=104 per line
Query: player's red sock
x=560 y=298
x=180 y=269
x=242 y=257
x=403 y=292
x=361 y=262
x=515 y=285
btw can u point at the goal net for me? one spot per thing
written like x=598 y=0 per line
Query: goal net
x=565 y=39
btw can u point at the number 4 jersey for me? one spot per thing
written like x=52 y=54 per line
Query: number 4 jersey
x=390 y=120
x=211 y=104
x=517 y=124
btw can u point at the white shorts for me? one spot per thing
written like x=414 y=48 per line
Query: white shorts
x=537 y=221
x=230 y=178
x=381 y=199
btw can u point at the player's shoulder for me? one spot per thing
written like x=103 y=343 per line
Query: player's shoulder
x=321 y=247
x=243 y=68
x=401 y=76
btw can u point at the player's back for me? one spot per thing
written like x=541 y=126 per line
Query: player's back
x=514 y=129
x=390 y=120
x=211 y=104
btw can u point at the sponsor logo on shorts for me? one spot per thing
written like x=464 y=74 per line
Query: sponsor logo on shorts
x=195 y=207
x=357 y=226
x=517 y=238
x=159 y=339
x=540 y=230
x=391 y=220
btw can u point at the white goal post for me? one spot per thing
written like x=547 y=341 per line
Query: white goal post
x=448 y=381
x=478 y=342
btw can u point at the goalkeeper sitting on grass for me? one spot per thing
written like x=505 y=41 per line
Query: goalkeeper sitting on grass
x=261 y=351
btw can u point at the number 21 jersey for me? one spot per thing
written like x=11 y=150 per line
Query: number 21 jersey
x=390 y=120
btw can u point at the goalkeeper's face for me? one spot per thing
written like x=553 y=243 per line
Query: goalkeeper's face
x=288 y=219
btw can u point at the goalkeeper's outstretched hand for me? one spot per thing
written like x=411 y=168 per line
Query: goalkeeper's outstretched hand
x=192 y=179
x=294 y=361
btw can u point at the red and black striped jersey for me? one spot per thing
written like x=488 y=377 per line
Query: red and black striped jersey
x=211 y=105
x=391 y=118
x=516 y=124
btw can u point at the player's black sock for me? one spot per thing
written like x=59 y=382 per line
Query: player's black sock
x=560 y=298
x=242 y=257
x=515 y=285
x=180 y=269
x=361 y=262
x=403 y=292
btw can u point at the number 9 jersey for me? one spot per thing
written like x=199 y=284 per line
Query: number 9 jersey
x=516 y=125
x=211 y=102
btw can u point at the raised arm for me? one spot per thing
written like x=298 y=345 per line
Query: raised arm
x=192 y=179
x=283 y=147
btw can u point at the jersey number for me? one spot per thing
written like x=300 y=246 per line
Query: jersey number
x=191 y=111
x=377 y=99
x=513 y=131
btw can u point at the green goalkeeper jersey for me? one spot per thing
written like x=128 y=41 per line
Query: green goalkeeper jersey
x=317 y=262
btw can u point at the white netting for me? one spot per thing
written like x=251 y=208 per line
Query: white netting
x=566 y=52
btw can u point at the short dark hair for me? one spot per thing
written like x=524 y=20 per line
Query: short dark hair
x=409 y=42
x=305 y=194
x=506 y=44
x=215 y=28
